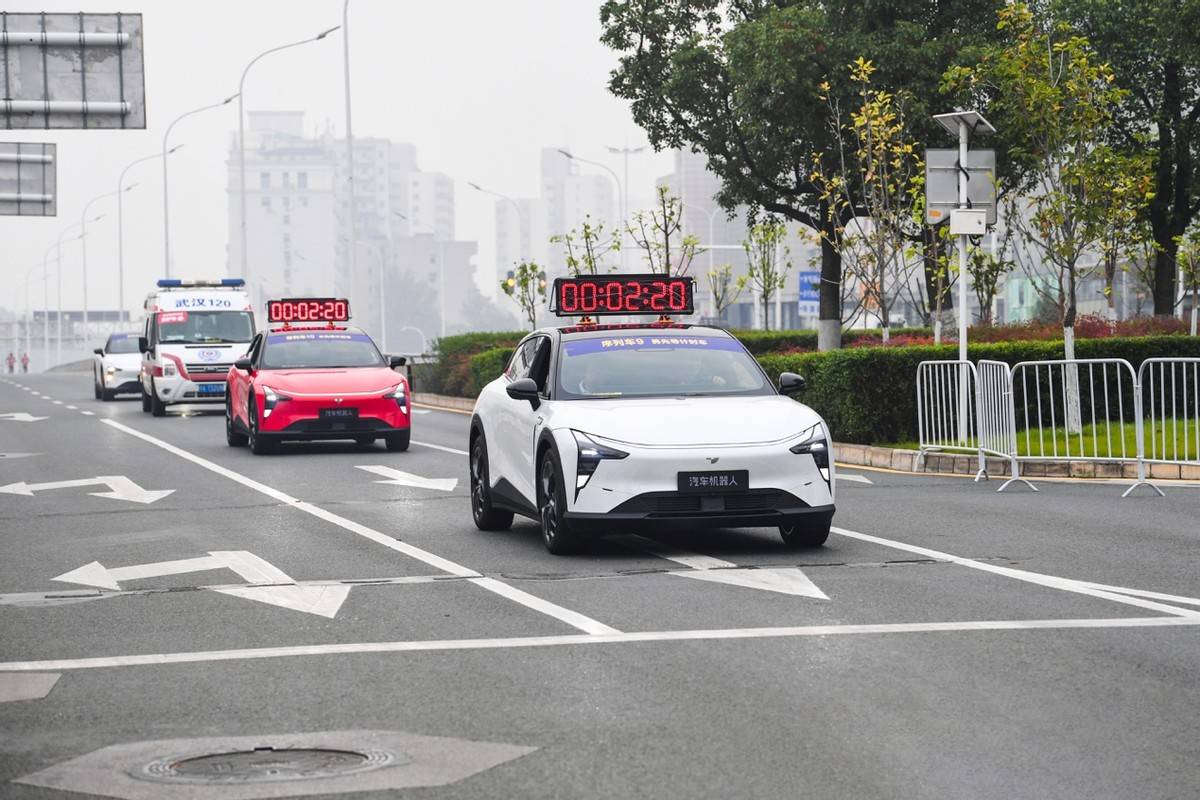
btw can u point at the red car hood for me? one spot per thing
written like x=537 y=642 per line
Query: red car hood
x=330 y=381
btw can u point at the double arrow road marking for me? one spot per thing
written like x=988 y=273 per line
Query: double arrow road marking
x=120 y=488
x=279 y=589
x=21 y=416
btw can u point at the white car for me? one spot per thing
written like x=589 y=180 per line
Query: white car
x=595 y=428
x=116 y=367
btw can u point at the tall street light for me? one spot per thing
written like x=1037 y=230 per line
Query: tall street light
x=621 y=196
x=121 y=223
x=166 y=193
x=57 y=248
x=625 y=153
x=351 y=255
x=520 y=217
x=83 y=244
x=242 y=135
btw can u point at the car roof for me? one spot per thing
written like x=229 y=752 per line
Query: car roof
x=317 y=329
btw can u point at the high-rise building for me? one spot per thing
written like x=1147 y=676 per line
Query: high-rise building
x=298 y=227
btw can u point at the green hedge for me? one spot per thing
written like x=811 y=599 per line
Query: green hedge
x=451 y=373
x=868 y=395
x=760 y=342
x=487 y=366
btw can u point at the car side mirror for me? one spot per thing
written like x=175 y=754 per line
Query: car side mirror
x=243 y=364
x=525 y=389
x=791 y=383
x=396 y=361
x=143 y=344
x=99 y=351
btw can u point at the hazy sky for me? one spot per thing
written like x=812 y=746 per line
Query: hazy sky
x=479 y=86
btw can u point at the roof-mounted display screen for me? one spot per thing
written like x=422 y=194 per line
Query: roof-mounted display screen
x=598 y=295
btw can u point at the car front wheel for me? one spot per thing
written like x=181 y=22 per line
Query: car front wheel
x=259 y=444
x=157 y=407
x=232 y=436
x=557 y=534
x=487 y=517
x=95 y=384
x=800 y=535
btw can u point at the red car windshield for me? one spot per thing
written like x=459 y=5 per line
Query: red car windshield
x=320 y=350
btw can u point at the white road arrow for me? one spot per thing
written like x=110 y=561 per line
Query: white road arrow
x=785 y=580
x=21 y=416
x=275 y=586
x=398 y=478
x=120 y=488
x=17 y=455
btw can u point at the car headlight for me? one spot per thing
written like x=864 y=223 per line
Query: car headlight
x=110 y=371
x=591 y=453
x=272 y=398
x=814 y=443
x=169 y=370
x=399 y=393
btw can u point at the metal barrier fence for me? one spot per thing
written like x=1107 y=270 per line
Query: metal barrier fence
x=1091 y=410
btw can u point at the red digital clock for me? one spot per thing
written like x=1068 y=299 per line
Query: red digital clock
x=588 y=295
x=309 y=309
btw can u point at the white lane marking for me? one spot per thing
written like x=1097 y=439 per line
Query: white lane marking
x=73 y=408
x=32 y=686
x=1170 y=598
x=558 y=612
x=156 y=659
x=422 y=411
x=440 y=447
x=847 y=476
x=784 y=580
x=1050 y=581
x=87 y=413
x=586 y=624
x=397 y=477
x=120 y=488
x=58 y=402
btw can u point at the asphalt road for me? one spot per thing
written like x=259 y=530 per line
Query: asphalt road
x=947 y=642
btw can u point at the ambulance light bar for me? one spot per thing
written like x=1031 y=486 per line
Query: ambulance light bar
x=176 y=283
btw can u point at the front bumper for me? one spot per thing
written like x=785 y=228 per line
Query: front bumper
x=300 y=418
x=180 y=390
x=122 y=381
x=749 y=511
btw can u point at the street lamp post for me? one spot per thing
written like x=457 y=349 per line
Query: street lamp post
x=351 y=255
x=520 y=217
x=166 y=193
x=57 y=248
x=621 y=195
x=242 y=136
x=625 y=153
x=83 y=245
x=121 y=223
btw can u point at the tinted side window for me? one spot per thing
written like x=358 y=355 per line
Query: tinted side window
x=518 y=367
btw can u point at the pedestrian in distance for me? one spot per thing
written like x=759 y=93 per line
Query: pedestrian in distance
x=25 y=362
x=12 y=363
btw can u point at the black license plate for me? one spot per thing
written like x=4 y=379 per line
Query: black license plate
x=737 y=480
x=339 y=413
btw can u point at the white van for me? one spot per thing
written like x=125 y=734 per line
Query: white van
x=194 y=331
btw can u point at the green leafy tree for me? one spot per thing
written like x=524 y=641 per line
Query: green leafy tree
x=769 y=262
x=1187 y=254
x=658 y=233
x=588 y=247
x=1153 y=47
x=526 y=285
x=738 y=80
x=724 y=288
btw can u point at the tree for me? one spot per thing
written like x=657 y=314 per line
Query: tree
x=1123 y=186
x=739 y=81
x=769 y=262
x=659 y=234
x=1054 y=98
x=588 y=246
x=724 y=288
x=986 y=270
x=1153 y=47
x=876 y=184
x=526 y=285
x=1187 y=254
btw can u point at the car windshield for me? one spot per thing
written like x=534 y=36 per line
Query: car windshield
x=205 y=326
x=117 y=345
x=318 y=350
x=658 y=365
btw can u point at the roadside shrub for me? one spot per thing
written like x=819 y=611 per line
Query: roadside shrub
x=868 y=394
x=450 y=374
x=487 y=366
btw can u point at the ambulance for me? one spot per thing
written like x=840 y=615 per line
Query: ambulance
x=192 y=334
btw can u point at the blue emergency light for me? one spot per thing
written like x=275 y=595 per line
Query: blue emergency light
x=176 y=283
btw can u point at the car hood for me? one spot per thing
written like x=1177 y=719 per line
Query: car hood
x=689 y=421
x=330 y=381
x=123 y=361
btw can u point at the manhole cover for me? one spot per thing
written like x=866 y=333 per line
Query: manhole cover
x=266 y=764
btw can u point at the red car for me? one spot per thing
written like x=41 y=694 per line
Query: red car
x=316 y=382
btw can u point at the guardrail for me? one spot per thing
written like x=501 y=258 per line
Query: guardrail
x=1091 y=410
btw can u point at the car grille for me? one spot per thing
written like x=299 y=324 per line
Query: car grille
x=669 y=504
x=208 y=372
